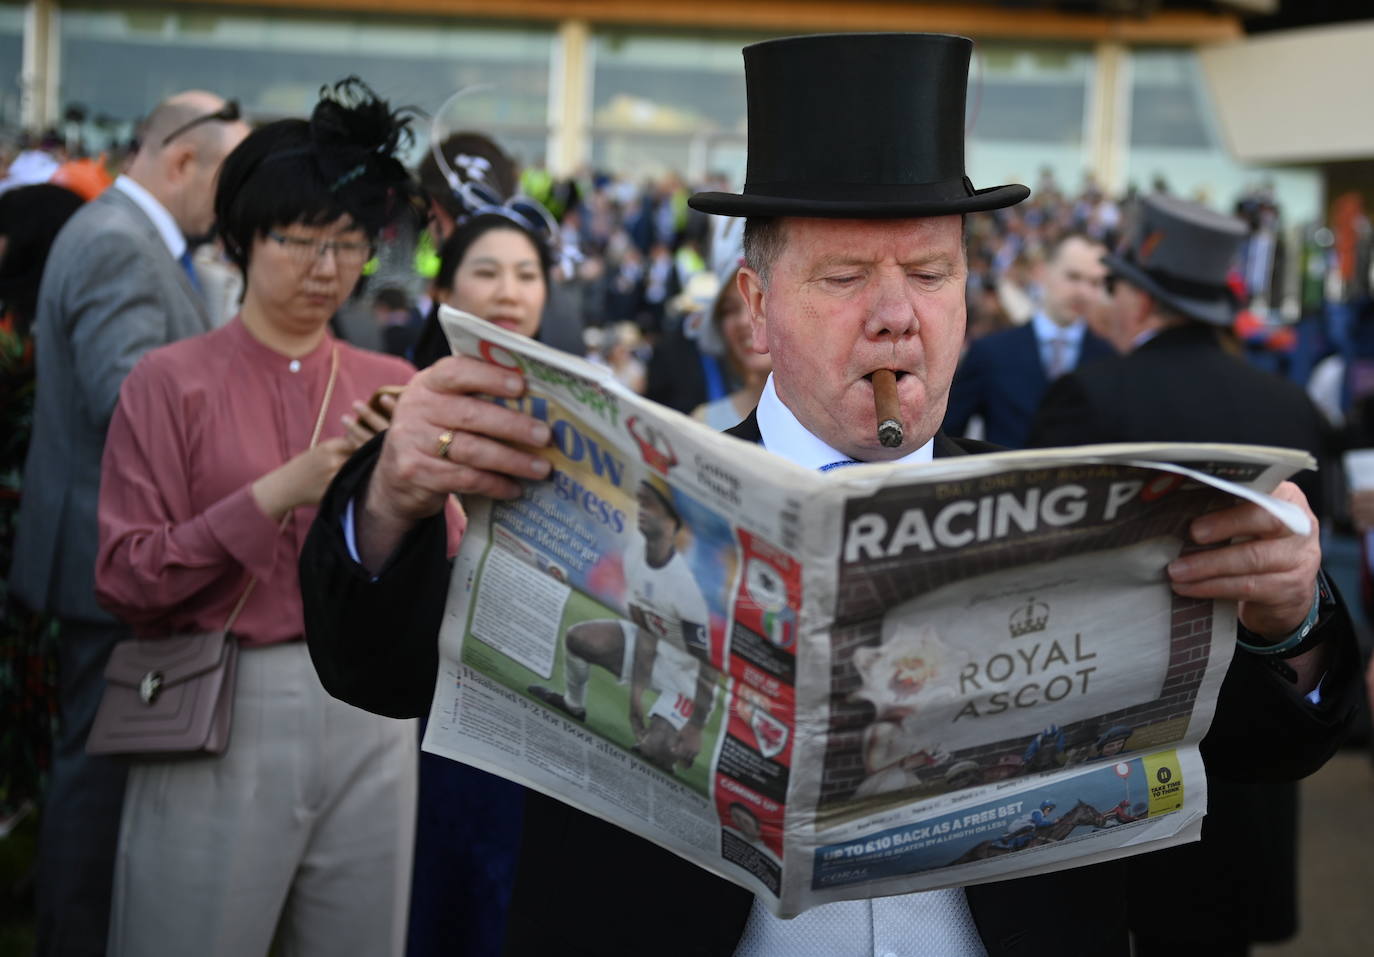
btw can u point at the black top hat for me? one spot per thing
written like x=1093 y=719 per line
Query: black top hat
x=1180 y=253
x=862 y=125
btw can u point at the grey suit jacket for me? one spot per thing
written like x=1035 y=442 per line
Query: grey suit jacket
x=111 y=292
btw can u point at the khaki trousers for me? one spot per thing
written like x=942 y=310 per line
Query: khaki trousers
x=302 y=830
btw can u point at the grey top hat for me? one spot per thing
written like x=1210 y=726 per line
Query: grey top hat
x=1180 y=253
x=865 y=125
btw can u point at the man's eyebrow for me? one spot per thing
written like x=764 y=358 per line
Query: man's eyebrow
x=849 y=259
x=841 y=259
x=931 y=259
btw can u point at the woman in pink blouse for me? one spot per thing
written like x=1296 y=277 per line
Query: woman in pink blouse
x=301 y=831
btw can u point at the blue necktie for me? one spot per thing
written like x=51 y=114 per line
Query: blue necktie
x=188 y=265
x=839 y=465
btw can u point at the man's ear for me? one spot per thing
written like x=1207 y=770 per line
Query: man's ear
x=1145 y=307
x=751 y=289
x=180 y=159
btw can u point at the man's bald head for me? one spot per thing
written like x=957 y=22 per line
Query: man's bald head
x=181 y=146
x=175 y=113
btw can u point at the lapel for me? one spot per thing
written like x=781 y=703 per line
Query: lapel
x=1027 y=358
x=748 y=430
x=139 y=222
x=131 y=211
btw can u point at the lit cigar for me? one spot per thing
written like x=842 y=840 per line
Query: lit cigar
x=890 y=430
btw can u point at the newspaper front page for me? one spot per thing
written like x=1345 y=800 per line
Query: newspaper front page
x=867 y=682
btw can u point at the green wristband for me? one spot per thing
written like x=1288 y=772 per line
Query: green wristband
x=1298 y=635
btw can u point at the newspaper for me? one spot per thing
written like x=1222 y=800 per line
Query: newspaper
x=824 y=686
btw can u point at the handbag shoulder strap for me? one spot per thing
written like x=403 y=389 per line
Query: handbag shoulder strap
x=314 y=440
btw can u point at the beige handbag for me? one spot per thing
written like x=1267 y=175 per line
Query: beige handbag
x=175 y=696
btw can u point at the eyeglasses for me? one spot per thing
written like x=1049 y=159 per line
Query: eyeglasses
x=304 y=250
x=227 y=113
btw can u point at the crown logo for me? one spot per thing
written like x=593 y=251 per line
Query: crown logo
x=1032 y=618
x=653 y=445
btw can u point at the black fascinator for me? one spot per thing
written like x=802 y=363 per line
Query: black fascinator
x=342 y=162
x=356 y=136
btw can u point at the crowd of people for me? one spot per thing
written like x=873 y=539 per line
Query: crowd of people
x=195 y=355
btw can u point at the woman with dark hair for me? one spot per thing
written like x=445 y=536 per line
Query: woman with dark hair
x=730 y=324
x=219 y=450
x=495 y=265
x=30 y=218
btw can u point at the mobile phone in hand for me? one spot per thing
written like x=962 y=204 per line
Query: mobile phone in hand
x=375 y=403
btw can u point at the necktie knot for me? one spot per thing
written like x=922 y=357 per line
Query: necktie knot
x=188 y=264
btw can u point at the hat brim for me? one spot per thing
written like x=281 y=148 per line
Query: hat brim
x=753 y=204
x=1219 y=310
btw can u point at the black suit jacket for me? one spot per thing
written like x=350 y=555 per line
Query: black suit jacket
x=1002 y=379
x=1183 y=386
x=585 y=887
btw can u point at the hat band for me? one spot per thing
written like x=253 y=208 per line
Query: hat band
x=1186 y=288
x=941 y=191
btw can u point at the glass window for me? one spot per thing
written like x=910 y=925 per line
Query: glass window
x=11 y=64
x=1026 y=111
x=664 y=102
x=1032 y=94
x=1176 y=142
x=275 y=65
x=668 y=103
x=1168 y=101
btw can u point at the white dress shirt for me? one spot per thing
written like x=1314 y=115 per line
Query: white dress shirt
x=1071 y=337
x=910 y=925
x=167 y=227
x=784 y=435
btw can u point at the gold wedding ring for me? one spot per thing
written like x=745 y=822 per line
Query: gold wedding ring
x=445 y=440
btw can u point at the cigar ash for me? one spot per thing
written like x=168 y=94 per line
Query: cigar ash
x=888 y=408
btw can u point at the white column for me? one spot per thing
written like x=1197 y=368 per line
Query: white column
x=570 y=98
x=1107 y=120
x=38 y=84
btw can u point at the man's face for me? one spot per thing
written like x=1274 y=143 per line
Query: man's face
x=849 y=297
x=654 y=519
x=744 y=821
x=1073 y=282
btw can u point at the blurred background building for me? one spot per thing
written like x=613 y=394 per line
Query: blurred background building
x=1126 y=92
x=617 y=109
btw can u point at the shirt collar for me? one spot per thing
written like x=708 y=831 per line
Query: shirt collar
x=266 y=357
x=1046 y=330
x=167 y=227
x=1145 y=336
x=783 y=435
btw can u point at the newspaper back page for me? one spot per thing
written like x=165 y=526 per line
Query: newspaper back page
x=867 y=682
